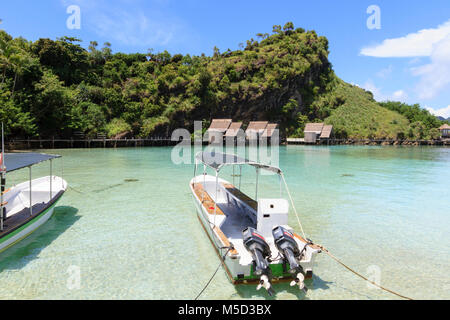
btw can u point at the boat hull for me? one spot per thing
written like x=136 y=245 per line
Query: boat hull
x=237 y=272
x=19 y=231
x=26 y=230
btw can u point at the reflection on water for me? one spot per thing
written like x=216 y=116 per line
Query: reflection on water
x=24 y=252
x=129 y=224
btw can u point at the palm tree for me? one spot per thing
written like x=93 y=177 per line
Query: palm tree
x=106 y=51
x=261 y=36
x=216 y=52
x=93 y=46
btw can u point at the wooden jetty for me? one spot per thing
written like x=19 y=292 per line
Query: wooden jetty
x=20 y=144
x=372 y=142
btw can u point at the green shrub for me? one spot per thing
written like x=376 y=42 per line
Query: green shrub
x=150 y=125
x=117 y=126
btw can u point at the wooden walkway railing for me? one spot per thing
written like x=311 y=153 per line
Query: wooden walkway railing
x=87 y=143
x=20 y=144
x=301 y=141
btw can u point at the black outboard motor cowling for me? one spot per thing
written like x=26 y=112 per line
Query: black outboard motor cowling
x=288 y=247
x=260 y=250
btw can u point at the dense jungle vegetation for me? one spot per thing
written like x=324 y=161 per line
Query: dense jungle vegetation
x=55 y=88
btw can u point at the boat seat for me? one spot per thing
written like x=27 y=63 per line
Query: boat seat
x=224 y=239
x=207 y=202
x=242 y=196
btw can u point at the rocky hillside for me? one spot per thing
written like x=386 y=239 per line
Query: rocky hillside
x=56 y=88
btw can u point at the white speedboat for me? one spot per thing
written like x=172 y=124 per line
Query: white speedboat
x=252 y=236
x=28 y=205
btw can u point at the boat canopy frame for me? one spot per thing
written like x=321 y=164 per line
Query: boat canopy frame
x=218 y=160
x=22 y=160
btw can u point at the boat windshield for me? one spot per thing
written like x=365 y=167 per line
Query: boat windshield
x=217 y=161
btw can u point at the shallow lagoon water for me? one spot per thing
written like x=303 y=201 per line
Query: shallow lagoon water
x=128 y=225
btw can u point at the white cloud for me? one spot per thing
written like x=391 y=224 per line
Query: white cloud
x=134 y=28
x=379 y=95
x=416 y=60
x=130 y=23
x=419 y=44
x=435 y=76
x=384 y=73
x=444 y=112
x=399 y=95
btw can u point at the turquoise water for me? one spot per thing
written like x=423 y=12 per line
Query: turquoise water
x=382 y=210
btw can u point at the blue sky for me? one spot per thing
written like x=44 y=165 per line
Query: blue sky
x=406 y=59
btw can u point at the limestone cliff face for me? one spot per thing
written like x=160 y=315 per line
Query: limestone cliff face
x=286 y=79
x=258 y=82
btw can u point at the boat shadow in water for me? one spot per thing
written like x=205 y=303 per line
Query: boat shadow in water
x=318 y=283
x=249 y=291
x=28 y=249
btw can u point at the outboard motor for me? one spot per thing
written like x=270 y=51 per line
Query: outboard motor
x=288 y=247
x=260 y=250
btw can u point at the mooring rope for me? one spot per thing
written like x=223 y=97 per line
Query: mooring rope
x=105 y=188
x=360 y=275
x=77 y=191
x=331 y=255
x=215 y=272
x=293 y=206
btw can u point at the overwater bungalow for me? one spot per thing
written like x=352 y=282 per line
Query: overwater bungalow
x=234 y=132
x=269 y=132
x=327 y=132
x=445 y=131
x=217 y=129
x=315 y=132
x=256 y=129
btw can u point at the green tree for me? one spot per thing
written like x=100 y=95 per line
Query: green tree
x=60 y=87
x=6 y=53
x=21 y=61
x=65 y=57
x=288 y=27
x=216 y=52
x=106 y=51
x=117 y=126
x=52 y=105
x=277 y=29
